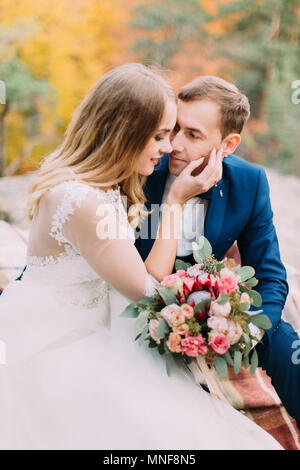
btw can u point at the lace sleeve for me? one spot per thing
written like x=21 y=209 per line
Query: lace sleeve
x=94 y=223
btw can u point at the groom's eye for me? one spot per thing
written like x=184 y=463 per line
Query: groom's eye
x=194 y=136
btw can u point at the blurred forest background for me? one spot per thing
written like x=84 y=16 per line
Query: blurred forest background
x=51 y=53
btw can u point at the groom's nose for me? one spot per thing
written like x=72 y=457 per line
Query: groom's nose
x=176 y=142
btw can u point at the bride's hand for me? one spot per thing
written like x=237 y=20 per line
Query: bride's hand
x=187 y=186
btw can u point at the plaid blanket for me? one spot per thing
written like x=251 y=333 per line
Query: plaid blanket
x=257 y=399
x=254 y=395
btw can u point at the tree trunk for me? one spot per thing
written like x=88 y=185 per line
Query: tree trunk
x=2 y=139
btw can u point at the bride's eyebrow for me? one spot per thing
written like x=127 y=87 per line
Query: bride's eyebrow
x=164 y=130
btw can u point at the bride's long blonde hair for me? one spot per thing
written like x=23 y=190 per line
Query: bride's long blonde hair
x=106 y=135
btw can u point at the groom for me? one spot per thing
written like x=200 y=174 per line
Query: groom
x=211 y=114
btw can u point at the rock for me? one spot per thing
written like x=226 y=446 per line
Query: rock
x=13 y=196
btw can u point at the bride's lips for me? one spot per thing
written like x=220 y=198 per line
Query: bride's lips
x=155 y=160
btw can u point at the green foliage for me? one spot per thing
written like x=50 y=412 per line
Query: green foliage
x=202 y=249
x=131 y=311
x=262 y=321
x=254 y=362
x=167 y=296
x=259 y=48
x=22 y=87
x=221 y=366
x=162 y=328
x=245 y=272
x=179 y=264
x=167 y=27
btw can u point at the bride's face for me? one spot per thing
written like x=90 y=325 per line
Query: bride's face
x=159 y=143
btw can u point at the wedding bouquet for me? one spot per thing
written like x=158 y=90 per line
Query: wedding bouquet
x=201 y=315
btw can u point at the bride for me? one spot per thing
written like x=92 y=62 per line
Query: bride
x=73 y=377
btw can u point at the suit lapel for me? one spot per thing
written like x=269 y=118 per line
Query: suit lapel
x=215 y=214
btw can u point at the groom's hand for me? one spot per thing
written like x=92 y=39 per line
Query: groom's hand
x=188 y=185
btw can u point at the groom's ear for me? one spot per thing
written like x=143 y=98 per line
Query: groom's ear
x=230 y=143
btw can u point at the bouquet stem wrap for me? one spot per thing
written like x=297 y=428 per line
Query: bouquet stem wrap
x=201 y=370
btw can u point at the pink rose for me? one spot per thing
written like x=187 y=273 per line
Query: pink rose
x=227 y=285
x=234 y=332
x=226 y=272
x=219 y=343
x=153 y=325
x=220 y=310
x=187 y=311
x=177 y=318
x=194 y=345
x=245 y=299
x=173 y=343
x=168 y=311
x=181 y=273
x=181 y=329
x=173 y=282
x=217 y=323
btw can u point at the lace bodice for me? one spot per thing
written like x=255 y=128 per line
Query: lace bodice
x=80 y=241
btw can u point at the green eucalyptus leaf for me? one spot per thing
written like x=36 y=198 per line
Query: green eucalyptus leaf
x=202 y=305
x=255 y=296
x=144 y=302
x=245 y=272
x=246 y=361
x=167 y=350
x=262 y=321
x=169 y=361
x=228 y=358
x=131 y=311
x=223 y=299
x=221 y=366
x=237 y=361
x=220 y=266
x=248 y=344
x=202 y=249
x=254 y=362
x=245 y=307
x=142 y=320
x=167 y=296
x=144 y=334
x=162 y=328
x=179 y=264
x=252 y=282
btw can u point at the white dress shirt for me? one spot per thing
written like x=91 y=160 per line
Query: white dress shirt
x=192 y=222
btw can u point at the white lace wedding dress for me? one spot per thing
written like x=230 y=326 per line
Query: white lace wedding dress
x=73 y=377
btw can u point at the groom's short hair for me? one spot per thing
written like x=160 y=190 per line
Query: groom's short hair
x=235 y=107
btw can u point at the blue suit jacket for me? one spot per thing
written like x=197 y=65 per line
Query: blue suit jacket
x=239 y=209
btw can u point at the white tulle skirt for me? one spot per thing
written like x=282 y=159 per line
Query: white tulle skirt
x=71 y=381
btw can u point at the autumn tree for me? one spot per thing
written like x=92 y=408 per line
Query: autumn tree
x=256 y=45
